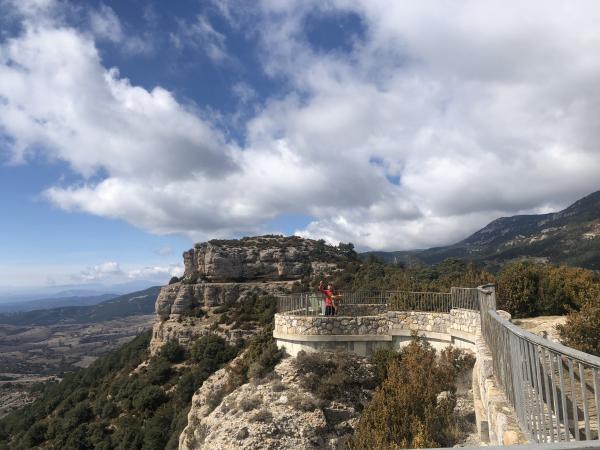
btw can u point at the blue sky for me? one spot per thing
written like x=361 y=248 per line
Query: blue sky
x=131 y=129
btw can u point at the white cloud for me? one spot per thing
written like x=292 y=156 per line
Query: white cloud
x=112 y=272
x=156 y=272
x=489 y=113
x=106 y=25
x=201 y=35
x=99 y=272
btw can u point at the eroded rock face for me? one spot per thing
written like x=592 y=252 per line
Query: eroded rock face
x=260 y=258
x=278 y=414
x=176 y=303
x=180 y=299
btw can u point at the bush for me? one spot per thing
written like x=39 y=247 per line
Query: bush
x=159 y=371
x=155 y=437
x=174 y=280
x=261 y=356
x=381 y=360
x=581 y=329
x=407 y=410
x=212 y=351
x=334 y=376
x=149 y=398
x=526 y=289
x=172 y=351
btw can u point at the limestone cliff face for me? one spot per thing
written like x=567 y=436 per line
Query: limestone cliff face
x=224 y=272
x=259 y=258
x=179 y=303
x=273 y=414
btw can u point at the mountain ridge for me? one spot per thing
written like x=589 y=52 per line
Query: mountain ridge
x=139 y=302
x=570 y=236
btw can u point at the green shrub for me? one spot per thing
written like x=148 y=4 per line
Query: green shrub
x=155 y=437
x=407 y=410
x=211 y=351
x=148 y=399
x=526 y=289
x=334 y=376
x=159 y=371
x=172 y=351
x=581 y=329
x=260 y=357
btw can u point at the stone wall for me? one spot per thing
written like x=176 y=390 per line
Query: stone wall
x=418 y=321
x=496 y=419
x=331 y=325
x=465 y=320
x=390 y=322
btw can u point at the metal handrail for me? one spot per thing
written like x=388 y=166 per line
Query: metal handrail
x=554 y=389
x=364 y=303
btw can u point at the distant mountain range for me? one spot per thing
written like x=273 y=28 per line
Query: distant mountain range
x=140 y=302
x=55 y=302
x=570 y=236
x=18 y=294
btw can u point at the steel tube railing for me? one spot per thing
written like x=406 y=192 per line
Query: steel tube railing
x=358 y=303
x=556 y=394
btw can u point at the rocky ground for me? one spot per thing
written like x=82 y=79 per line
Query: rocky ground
x=543 y=325
x=274 y=413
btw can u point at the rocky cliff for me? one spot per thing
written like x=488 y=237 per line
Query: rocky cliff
x=222 y=273
x=269 y=258
x=273 y=413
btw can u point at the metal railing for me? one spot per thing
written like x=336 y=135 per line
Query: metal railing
x=554 y=389
x=362 y=303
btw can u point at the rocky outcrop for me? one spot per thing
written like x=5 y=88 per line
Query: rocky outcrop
x=274 y=414
x=179 y=303
x=223 y=272
x=260 y=258
x=180 y=299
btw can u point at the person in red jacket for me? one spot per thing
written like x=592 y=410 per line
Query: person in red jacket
x=329 y=299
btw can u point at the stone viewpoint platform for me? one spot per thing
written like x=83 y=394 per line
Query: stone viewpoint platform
x=526 y=388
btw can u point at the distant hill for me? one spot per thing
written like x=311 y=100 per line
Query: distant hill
x=140 y=302
x=570 y=236
x=70 y=299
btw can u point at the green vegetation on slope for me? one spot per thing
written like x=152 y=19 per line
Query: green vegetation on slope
x=126 y=401
x=414 y=405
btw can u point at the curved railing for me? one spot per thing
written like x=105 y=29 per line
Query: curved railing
x=368 y=303
x=554 y=389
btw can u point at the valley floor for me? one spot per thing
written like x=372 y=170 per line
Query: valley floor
x=34 y=354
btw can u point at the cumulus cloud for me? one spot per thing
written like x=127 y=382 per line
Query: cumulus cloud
x=112 y=272
x=100 y=272
x=156 y=272
x=422 y=132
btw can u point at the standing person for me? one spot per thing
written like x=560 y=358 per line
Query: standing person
x=329 y=308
